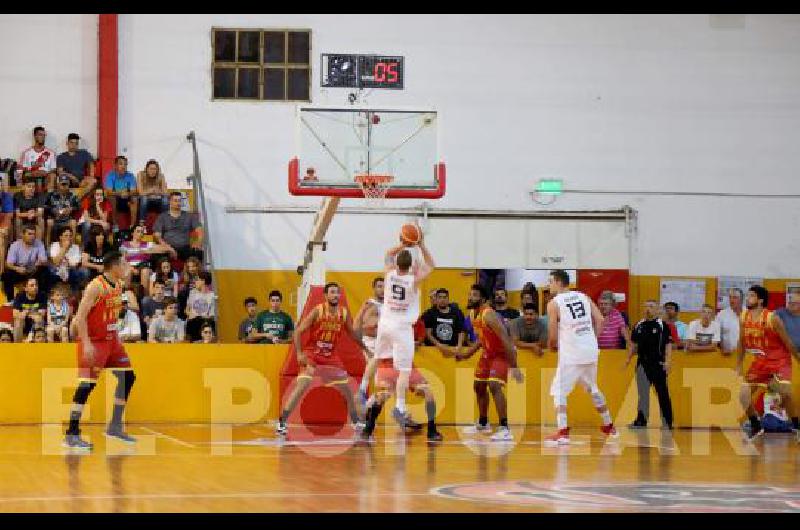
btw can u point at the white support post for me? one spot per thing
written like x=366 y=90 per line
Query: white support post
x=313 y=265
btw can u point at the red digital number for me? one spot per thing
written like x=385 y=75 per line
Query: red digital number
x=391 y=69
x=379 y=72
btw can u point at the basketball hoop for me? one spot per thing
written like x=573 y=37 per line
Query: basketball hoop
x=374 y=187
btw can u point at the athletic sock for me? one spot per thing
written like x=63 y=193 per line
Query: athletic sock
x=400 y=403
x=606 y=416
x=430 y=410
x=431 y=426
x=283 y=417
x=116 y=417
x=561 y=420
x=483 y=421
x=74 y=421
x=504 y=422
x=364 y=386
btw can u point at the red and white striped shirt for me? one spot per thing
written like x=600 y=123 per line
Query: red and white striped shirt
x=610 y=336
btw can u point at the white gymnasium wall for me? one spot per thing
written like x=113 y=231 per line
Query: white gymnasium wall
x=646 y=102
x=48 y=76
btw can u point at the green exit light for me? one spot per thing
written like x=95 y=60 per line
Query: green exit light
x=551 y=186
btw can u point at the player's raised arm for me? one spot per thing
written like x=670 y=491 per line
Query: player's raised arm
x=80 y=324
x=426 y=267
x=390 y=260
x=302 y=327
x=552 y=325
x=597 y=318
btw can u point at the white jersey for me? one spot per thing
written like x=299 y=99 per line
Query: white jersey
x=400 y=299
x=577 y=343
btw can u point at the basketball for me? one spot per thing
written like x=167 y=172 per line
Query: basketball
x=410 y=234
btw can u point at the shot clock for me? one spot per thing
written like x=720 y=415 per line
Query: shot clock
x=362 y=71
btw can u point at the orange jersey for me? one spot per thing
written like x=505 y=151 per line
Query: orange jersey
x=325 y=332
x=760 y=338
x=104 y=314
x=490 y=341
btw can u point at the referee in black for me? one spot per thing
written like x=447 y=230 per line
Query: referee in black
x=651 y=340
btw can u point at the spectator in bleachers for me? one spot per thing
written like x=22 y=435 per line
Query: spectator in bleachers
x=37 y=162
x=175 y=227
x=27 y=258
x=76 y=164
x=529 y=297
x=207 y=335
x=790 y=315
x=167 y=275
x=95 y=248
x=37 y=335
x=6 y=219
x=703 y=333
x=153 y=305
x=65 y=261
x=201 y=308
x=60 y=208
x=671 y=310
x=502 y=308
x=120 y=185
x=59 y=314
x=527 y=331
x=444 y=323
x=167 y=328
x=728 y=319
x=6 y=335
x=615 y=333
x=273 y=326
x=152 y=189
x=137 y=253
x=191 y=268
x=29 y=208
x=97 y=213
x=30 y=307
x=128 y=326
x=247 y=325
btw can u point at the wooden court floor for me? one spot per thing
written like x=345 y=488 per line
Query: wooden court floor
x=200 y=468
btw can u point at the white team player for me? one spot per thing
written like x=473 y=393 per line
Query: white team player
x=399 y=313
x=574 y=321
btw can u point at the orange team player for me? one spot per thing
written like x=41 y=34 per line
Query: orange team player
x=498 y=357
x=764 y=336
x=99 y=346
x=318 y=355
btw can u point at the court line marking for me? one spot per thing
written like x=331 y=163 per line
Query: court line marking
x=156 y=496
x=168 y=437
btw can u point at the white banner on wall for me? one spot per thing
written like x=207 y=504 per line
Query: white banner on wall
x=733 y=282
x=516 y=278
x=690 y=295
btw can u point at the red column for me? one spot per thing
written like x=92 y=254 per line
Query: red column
x=107 y=92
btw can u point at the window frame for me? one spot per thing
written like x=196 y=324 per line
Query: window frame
x=261 y=65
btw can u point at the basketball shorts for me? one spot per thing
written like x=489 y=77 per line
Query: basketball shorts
x=762 y=370
x=568 y=375
x=386 y=377
x=396 y=340
x=492 y=369
x=329 y=368
x=107 y=354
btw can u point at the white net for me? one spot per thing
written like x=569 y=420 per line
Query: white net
x=374 y=188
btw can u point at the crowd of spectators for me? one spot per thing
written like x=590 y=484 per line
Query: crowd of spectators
x=57 y=222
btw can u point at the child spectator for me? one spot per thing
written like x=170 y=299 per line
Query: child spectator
x=94 y=252
x=152 y=189
x=167 y=328
x=37 y=335
x=201 y=306
x=775 y=418
x=65 y=260
x=191 y=268
x=167 y=275
x=60 y=207
x=6 y=336
x=248 y=324
x=96 y=213
x=153 y=305
x=206 y=335
x=128 y=324
x=59 y=314
x=6 y=218
x=29 y=208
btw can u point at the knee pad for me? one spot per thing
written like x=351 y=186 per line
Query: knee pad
x=82 y=392
x=598 y=399
x=125 y=380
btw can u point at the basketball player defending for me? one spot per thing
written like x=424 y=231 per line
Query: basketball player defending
x=764 y=336
x=366 y=323
x=574 y=322
x=498 y=357
x=98 y=347
x=318 y=355
x=400 y=311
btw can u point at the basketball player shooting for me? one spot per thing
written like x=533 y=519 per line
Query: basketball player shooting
x=98 y=347
x=498 y=357
x=318 y=355
x=401 y=310
x=574 y=321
